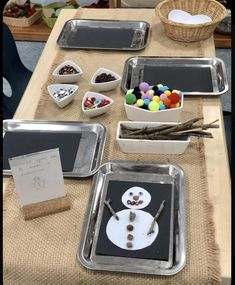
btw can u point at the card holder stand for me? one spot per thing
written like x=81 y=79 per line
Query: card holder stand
x=45 y=208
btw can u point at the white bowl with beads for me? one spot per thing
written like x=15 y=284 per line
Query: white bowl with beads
x=108 y=85
x=94 y=112
x=67 y=78
x=62 y=94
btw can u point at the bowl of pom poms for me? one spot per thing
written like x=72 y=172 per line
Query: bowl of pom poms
x=156 y=103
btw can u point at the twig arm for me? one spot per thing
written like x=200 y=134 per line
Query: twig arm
x=151 y=229
x=107 y=204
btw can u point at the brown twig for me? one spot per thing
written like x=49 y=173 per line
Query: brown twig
x=169 y=132
x=151 y=229
x=107 y=203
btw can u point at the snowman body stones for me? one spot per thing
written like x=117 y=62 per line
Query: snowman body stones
x=130 y=231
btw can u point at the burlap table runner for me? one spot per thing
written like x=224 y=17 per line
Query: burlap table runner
x=43 y=250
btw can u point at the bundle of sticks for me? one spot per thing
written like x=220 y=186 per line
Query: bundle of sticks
x=170 y=132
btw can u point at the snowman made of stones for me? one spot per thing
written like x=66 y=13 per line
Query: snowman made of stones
x=130 y=231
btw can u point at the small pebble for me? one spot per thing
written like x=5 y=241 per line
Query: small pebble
x=130 y=237
x=132 y=216
x=130 y=228
x=129 y=244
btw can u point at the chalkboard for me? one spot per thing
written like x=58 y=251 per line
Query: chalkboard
x=184 y=78
x=20 y=143
x=159 y=249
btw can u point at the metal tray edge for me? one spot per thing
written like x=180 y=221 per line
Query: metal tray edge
x=75 y=175
x=124 y=76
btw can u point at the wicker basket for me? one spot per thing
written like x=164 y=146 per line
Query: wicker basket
x=190 y=32
x=22 y=22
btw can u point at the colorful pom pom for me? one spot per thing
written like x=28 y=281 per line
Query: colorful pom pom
x=144 y=86
x=130 y=98
x=153 y=106
x=140 y=102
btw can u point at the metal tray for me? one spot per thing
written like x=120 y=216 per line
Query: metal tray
x=90 y=150
x=193 y=76
x=104 y=34
x=141 y=172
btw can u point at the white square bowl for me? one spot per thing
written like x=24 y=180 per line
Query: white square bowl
x=67 y=99
x=149 y=146
x=135 y=113
x=67 y=78
x=105 y=86
x=97 y=111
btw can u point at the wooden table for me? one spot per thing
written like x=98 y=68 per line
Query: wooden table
x=215 y=150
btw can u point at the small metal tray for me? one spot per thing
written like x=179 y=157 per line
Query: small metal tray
x=161 y=173
x=90 y=150
x=104 y=34
x=193 y=76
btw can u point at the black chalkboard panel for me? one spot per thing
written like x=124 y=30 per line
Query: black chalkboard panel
x=100 y=37
x=20 y=143
x=159 y=249
x=184 y=78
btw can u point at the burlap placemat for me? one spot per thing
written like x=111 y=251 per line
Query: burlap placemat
x=43 y=250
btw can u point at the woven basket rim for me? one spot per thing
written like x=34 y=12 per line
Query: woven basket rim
x=23 y=18
x=166 y=21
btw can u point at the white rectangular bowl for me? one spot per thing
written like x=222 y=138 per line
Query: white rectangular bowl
x=150 y=146
x=168 y=115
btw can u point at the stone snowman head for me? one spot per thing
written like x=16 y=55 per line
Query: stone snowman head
x=136 y=198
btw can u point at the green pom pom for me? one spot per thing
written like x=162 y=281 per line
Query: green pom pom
x=130 y=98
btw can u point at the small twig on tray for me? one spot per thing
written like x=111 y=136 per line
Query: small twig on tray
x=107 y=203
x=151 y=229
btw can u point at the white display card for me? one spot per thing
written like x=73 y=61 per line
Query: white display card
x=38 y=176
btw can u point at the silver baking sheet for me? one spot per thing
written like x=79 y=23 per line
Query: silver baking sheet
x=141 y=172
x=91 y=146
x=191 y=75
x=104 y=34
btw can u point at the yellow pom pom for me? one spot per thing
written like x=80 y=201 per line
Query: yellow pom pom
x=150 y=92
x=167 y=92
x=156 y=98
x=175 y=91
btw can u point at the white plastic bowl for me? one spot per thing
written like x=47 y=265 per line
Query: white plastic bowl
x=67 y=99
x=105 y=86
x=150 y=146
x=168 y=115
x=67 y=78
x=98 y=111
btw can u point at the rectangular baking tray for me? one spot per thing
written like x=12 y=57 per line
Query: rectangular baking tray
x=104 y=34
x=140 y=172
x=91 y=146
x=191 y=75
